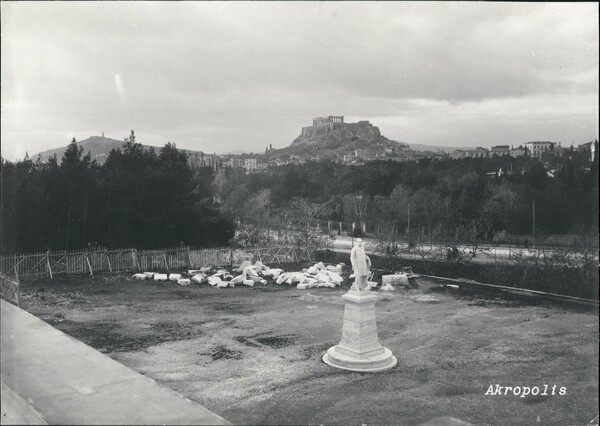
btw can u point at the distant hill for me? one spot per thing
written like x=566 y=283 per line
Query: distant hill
x=98 y=146
x=236 y=152
x=330 y=140
x=433 y=148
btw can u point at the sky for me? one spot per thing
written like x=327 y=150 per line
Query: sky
x=219 y=77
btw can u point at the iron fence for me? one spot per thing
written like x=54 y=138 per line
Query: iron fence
x=48 y=264
x=9 y=289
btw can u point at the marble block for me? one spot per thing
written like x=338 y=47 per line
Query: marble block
x=359 y=349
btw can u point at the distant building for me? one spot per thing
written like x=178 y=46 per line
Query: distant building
x=478 y=152
x=536 y=149
x=262 y=166
x=518 y=152
x=237 y=162
x=250 y=164
x=500 y=150
x=590 y=147
x=458 y=154
x=200 y=159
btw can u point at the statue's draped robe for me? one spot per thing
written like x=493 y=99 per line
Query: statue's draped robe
x=360 y=265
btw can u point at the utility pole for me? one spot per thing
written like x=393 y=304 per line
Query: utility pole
x=533 y=224
x=408 y=228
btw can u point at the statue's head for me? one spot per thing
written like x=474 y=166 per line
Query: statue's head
x=359 y=242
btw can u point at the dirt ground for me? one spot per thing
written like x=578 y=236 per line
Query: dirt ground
x=253 y=355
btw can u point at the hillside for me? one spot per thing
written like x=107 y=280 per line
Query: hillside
x=339 y=139
x=98 y=147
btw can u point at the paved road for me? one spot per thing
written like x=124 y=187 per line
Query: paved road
x=484 y=255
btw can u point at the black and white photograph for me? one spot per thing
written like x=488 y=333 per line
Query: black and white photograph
x=299 y=213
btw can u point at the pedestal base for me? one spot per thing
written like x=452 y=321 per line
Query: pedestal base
x=359 y=349
x=381 y=362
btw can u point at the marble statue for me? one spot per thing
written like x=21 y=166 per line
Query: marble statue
x=360 y=265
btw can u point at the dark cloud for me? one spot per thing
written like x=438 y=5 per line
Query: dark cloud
x=221 y=76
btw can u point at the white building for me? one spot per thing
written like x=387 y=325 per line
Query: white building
x=537 y=148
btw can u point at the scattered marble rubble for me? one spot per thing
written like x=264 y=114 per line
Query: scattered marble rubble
x=248 y=274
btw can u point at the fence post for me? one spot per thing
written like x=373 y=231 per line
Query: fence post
x=230 y=257
x=189 y=252
x=108 y=260
x=16 y=266
x=87 y=259
x=166 y=261
x=48 y=263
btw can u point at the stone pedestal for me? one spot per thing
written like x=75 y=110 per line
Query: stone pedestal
x=359 y=349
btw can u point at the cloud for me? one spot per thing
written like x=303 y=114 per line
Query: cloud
x=260 y=70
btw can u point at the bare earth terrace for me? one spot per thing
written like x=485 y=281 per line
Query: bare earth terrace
x=253 y=355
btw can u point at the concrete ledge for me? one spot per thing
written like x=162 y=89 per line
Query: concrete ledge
x=68 y=382
x=17 y=411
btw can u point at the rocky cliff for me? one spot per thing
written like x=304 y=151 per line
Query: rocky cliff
x=343 y=138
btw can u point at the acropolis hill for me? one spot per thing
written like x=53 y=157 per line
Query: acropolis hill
x=331 y=137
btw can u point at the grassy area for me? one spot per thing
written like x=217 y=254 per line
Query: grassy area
x=253 y=355
x=541 y=274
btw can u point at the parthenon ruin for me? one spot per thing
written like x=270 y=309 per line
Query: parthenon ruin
x=322 y=125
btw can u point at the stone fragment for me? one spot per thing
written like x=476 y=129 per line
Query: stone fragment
x=174 y=277
x=323 y=277
x=396 y=279
x=335 y=278
x=161 y=277
x=239 y=279
x=199 y=278
x=243 y=265
x=312 y=270
x=248 y=283
x=276 y=272
x=140 y=277
x=184 y=281
x=149 y=274
x=250 y=271
x=214 y=280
